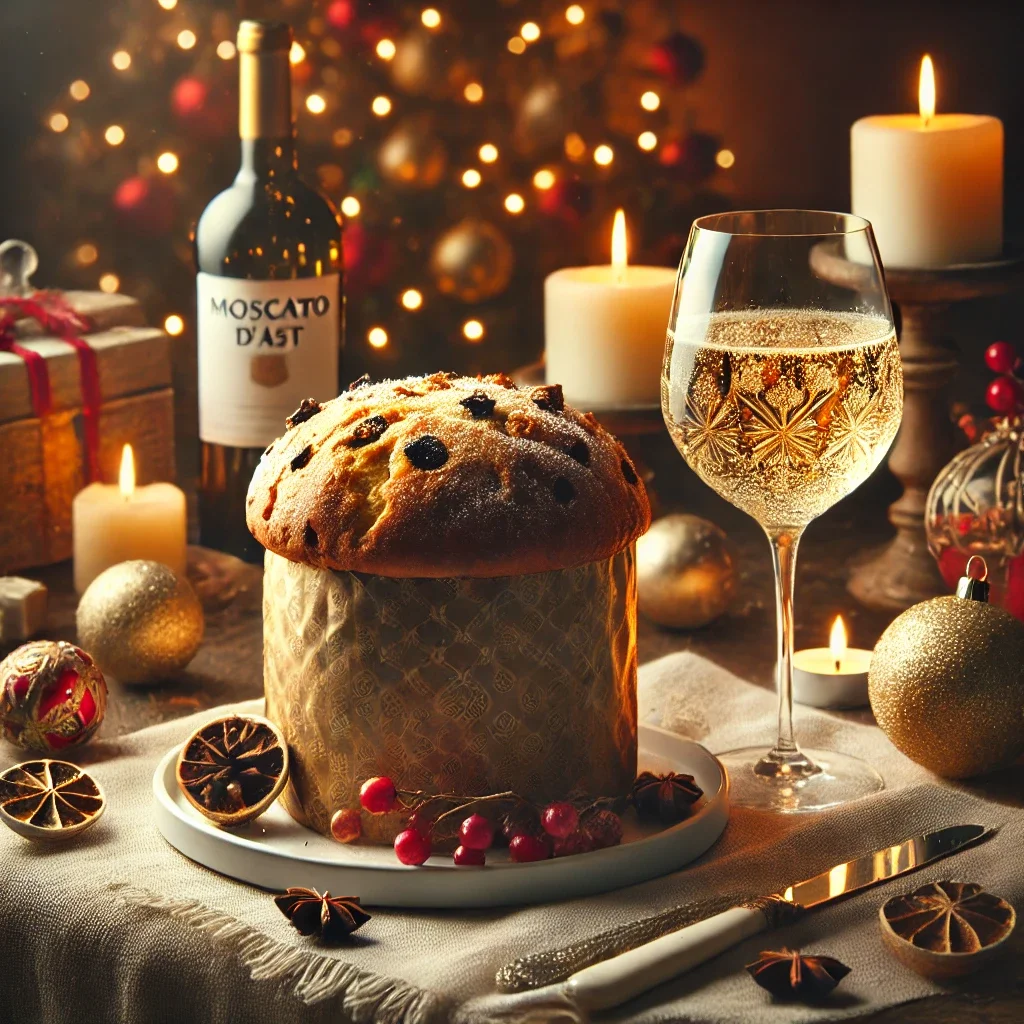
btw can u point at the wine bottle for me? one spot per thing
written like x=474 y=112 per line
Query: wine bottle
x=270 y=307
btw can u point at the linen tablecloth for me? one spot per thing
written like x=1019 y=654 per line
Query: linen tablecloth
x=117 y=926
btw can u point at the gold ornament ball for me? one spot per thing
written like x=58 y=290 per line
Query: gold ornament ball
x=686 y=572
x=946 y=685
x=545 y=116
x=412 y=155
x=420 y=64
x=472 y=261
x=141 y=621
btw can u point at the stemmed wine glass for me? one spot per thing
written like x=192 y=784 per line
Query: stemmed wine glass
x=783 y=392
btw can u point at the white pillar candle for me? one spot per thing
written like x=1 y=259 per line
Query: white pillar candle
x=832 y=677
x=112 y=523
x=604 y=329
x=931 y=184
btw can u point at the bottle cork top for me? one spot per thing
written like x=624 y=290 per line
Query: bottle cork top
x=263 y=36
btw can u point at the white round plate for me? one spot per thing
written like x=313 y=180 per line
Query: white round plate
x=275 y=852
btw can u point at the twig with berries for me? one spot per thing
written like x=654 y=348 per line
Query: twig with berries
x=533 y=832
x=1004 y=395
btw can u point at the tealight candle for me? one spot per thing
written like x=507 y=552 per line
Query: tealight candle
x=604 y=329
x=112 y=523
x=931 y=184
x=832 y=677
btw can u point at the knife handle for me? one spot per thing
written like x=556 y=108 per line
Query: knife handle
x=614 y=981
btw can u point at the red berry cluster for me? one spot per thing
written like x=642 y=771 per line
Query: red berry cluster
x=1005 y=395
x=557 y=830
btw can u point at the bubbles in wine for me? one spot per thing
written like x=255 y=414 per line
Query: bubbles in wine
x=783 y=412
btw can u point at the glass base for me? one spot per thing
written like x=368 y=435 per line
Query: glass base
x=808 y=780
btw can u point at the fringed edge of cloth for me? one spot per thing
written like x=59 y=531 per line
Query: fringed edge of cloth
x=366 y=998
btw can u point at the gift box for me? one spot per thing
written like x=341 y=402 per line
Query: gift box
x=74 y=389
x=470 y=685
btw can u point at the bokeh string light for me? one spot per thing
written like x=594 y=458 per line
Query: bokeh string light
x=454 y=139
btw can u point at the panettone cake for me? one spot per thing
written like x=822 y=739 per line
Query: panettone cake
x=449 y=594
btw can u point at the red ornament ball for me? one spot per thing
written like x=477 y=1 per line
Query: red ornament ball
x=679 y=58
x=52 y=696
x=340 y=14
x=377 y=795
x=693 y=156
x=560 y=819
x=525 y=848
x=206 y=108
x=476 y=832
x=412 y=847
x=1001 y=357
x=145 y=205
x=1002 y=395
x=467 y=856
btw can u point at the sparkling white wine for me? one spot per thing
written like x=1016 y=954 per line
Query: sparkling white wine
x=783 y=412
x=269 y=300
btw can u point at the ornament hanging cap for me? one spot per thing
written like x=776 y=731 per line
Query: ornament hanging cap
x=974 y=585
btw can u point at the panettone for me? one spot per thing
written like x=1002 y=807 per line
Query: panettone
x=449 y=595
x=446 y=476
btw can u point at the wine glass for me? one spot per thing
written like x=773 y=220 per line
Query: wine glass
x=783 y=392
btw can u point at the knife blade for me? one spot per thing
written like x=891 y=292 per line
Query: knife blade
x=622 y=977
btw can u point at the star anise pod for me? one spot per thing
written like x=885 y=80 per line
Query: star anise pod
x=949 y=917
x=667 y=797
x=329 y=918
x=788 y=975
x=233 y=769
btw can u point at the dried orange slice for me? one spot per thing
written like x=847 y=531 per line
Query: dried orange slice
x=232 y=769
x=946 y=929
x=49 y=799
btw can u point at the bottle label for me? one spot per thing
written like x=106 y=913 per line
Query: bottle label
x=263 y=347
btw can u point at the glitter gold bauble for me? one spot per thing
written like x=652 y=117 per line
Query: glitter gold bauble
x=686 y=574
x=52 y=695
x=142 y=622
x=947 y=686
x=472 y=261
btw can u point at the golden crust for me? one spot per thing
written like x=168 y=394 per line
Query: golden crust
x=524 y=485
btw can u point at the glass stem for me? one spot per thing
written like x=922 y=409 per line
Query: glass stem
x=784 y=545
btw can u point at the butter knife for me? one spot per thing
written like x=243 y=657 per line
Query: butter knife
x=625 y=976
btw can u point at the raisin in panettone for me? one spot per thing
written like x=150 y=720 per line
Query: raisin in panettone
x=449 y=594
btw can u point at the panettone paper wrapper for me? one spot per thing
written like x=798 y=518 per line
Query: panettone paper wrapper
x=466 y=686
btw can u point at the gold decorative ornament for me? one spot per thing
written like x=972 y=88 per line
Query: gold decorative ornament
x=232 y=769
x=413 y=155
x=686 y=572
x=946 y=684
x=52 y=696
x=946 y=929
x=50 y=800
x=472 y=261
x=142 y=621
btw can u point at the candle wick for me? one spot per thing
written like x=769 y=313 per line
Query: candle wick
x=837 y=664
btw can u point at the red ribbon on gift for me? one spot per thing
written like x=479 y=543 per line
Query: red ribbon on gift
x=56 y=317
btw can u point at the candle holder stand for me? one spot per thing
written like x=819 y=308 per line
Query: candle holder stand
x=904 y=572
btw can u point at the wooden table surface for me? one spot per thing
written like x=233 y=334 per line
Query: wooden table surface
x=229 y=664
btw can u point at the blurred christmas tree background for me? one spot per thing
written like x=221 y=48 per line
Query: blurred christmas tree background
x=472 y=148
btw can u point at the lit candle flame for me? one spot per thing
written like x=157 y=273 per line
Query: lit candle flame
x=619 y=244
x=926 y=90
x=126 y=477
x=837 y=641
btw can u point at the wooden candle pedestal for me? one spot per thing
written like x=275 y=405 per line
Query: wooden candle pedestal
x=904 y=572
